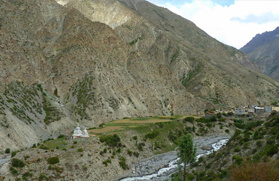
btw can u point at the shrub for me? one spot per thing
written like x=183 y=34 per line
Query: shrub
x=152 y=135
x=136 y=154
x=258 y=156
x=230 y=114
x=238 y=160
x=209 y=125
x=122 y=163
x=159 y=125
x=213 y=119
x=102 y=125
x=219 y=115
x=17 y=163
x=111 y=140
x=107 y=162
x=42 y=177
x=257 y=135
x=172 y=137
x=135 y=137
x=129 y=152
x=43 y=147
x=246 y=146
x=53 y=160
x=80 y=150
x=7 y=150
x=239 y=125
x=271 y=150
x=270 y=142
x=26 y=174
x=259 y=144
x=227 y=131
x=237 y=149
x=26 y=157
x=140 y=146
x=189 y=119
x=201 y=159
x=203 y=120
x=13 y=171
x=61 y=136
x=252 y=124
x=13 y=153
x=223 y=174
x=254 y=150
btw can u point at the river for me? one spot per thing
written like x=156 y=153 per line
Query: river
x=143 y=170
x=4 y=158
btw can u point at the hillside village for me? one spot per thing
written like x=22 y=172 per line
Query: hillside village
x=245 y=110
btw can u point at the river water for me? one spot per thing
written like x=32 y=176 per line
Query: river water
x=4 y=159
x=172 y=167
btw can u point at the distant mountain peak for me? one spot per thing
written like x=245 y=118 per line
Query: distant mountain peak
x=263 y=50
x=259 y=40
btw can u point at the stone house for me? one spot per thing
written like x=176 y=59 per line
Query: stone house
x=240 y=111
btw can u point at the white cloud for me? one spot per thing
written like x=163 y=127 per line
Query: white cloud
x=234 y=25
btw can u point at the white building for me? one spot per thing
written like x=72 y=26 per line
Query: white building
x=80 y=134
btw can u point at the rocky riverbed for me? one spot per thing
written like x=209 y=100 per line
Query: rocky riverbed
x=150 y=166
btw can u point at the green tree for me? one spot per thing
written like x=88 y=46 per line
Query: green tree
x=7 y=150
x=186 y=152
x=274 y=103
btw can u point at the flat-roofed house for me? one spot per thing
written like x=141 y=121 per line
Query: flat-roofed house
x=259 y=109
x=275 y=108
x=239 y=111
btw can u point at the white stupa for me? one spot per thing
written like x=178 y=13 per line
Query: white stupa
x=80 y=134
x=77 y=132
x=85 y=134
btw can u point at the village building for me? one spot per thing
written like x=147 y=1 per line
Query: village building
x=239 y=111
x=275 y=108
x=250 y=111
x=259 y=109
x=267 y=108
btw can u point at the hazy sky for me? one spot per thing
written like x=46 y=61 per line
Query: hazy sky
x=233 y=22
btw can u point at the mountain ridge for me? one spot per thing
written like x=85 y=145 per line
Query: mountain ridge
x=263 y=50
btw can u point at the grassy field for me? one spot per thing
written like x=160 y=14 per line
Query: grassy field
x=162 y=133
x=131 y=123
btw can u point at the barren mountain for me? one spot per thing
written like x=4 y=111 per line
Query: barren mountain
x=263 y=50
x=92 y=61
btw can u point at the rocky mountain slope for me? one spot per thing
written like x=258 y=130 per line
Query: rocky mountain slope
x=263 y=50
x=92 y=61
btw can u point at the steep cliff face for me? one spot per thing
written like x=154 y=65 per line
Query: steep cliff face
x=91 y=61
x=263 y=50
